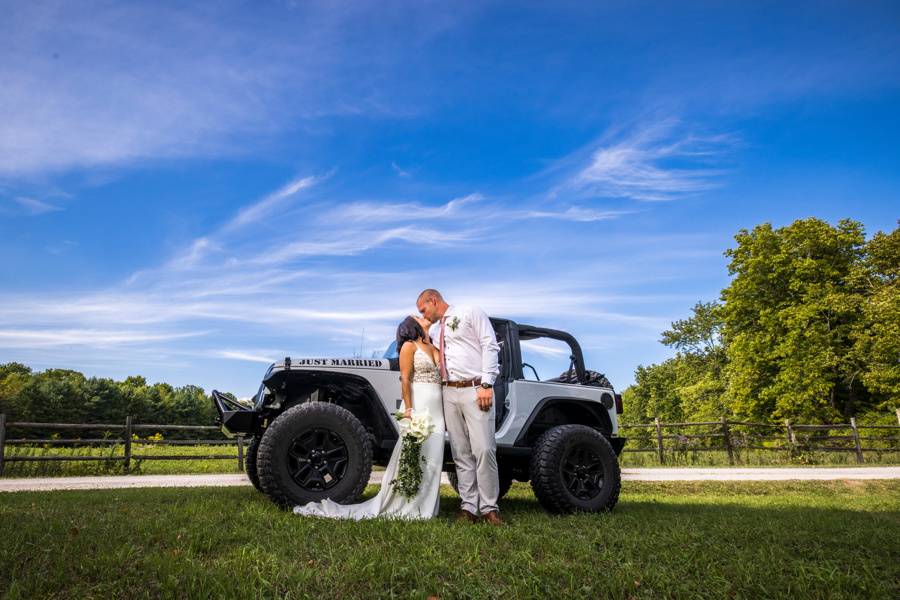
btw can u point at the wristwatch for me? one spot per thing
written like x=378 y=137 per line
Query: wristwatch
x=486 y=385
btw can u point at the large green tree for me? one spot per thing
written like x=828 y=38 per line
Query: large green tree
x=790 y=314
x=807 y=329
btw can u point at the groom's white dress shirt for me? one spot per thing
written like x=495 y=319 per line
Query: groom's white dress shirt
x=470 y=346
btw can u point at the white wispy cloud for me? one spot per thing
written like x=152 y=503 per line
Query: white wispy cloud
x=350 y=229
x=354 y=241
x=33 y=206
x=400 y=172
x=359 y=315
x=242 y=355
x=473 y=207
x=197 y=250
x=400 y=212
x=31 y=338
x=655 y=162
x=575 y=213
x=200 y=248
x=268 y=205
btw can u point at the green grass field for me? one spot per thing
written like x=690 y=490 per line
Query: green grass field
x=679 y=540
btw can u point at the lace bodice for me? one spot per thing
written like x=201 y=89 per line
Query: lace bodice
x=424 y=369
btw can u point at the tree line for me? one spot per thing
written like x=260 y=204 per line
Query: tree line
x=808 y=329
x=66 y=396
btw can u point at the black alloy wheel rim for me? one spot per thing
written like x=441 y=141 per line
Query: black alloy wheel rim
x=318 y=459
x=582 y=472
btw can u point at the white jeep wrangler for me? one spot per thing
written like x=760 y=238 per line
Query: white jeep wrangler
x=317 y=426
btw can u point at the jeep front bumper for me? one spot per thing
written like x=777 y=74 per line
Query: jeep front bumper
x=234 y=418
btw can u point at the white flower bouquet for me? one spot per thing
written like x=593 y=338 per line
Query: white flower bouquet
x=413 y=433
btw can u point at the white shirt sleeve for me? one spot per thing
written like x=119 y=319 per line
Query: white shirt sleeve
x=490 y=366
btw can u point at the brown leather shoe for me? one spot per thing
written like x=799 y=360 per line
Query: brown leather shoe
x=464 y=515
x=492 y=518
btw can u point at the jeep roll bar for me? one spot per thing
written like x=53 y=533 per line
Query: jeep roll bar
x=530 y=332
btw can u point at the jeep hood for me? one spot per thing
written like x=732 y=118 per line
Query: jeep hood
x=280 y=368
x=290 y=364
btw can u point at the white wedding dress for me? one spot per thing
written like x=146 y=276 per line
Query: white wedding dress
x=426 y=397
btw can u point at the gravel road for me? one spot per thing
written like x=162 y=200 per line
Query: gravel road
x=661 y=474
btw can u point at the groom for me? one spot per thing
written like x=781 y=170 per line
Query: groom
x=469 y=367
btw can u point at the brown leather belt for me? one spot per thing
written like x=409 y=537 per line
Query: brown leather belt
x=461 y=384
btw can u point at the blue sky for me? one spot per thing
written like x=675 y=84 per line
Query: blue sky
x=189 y=192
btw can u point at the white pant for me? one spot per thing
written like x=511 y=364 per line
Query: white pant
x=474 y=449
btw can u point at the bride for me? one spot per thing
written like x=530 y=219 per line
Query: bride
x=421 y=389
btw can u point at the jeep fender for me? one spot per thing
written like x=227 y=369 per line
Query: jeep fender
x=350 y=391
x=553 y=411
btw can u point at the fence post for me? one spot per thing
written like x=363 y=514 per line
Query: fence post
x=240 y=453
x=859 y=456
x=659 y=442
x=898 y=416
x=2 y=439
x=727 y=437
x=127 y=443
x=791 y=440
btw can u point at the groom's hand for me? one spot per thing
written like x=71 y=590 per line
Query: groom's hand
x=485 y=398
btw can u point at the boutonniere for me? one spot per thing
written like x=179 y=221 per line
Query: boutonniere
x=454 y=323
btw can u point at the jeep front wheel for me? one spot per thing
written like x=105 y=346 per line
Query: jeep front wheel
x=574 y=469
x=313 y=451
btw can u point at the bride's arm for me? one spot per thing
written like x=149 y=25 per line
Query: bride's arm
x=407 y=352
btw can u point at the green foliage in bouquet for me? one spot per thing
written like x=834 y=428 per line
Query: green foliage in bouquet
x=409 y=471
x=414 y=432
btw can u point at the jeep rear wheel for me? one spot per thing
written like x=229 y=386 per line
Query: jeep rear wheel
x=250 y=464
x=574 y=469
x=313 y=451
x=506 y=482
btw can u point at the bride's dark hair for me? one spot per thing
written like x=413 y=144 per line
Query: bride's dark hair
x=409 y=330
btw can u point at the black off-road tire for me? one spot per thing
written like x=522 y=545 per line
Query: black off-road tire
x=250 y=462
x=286 y=461
x=575 y=469
x=506 y=482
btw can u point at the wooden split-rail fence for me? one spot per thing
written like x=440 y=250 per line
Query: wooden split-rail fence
x=662 y=439
x=736 y=437
x=122 y=435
